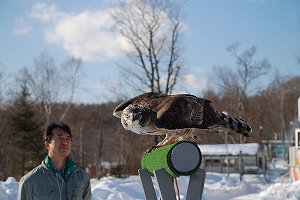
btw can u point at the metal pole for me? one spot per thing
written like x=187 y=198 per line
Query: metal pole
x=226 y=142
x=298 y=111
x=122 y=158
x=227 y=165
x=241 y=166
x=80 y=144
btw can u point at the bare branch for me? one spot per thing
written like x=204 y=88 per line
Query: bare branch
x=153 y=29
x=73 y=74
x=3 y=82
x=240 y=83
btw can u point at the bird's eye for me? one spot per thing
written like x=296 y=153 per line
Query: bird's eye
x=136 y=110
x=126 y=115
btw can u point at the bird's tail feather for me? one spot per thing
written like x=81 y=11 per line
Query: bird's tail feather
x=235 y=125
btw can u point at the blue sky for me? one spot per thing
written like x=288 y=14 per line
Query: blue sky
x=64 y=28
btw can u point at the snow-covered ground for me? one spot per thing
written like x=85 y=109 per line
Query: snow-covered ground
x=217 y=186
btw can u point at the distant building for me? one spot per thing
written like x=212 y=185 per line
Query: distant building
x=214 y=158
x=276 y=149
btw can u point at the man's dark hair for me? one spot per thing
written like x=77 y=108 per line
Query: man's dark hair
x=53 y=125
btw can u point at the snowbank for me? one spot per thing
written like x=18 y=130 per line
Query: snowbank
x=217 y=186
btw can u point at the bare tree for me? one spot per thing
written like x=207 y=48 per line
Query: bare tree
x=282 y=91
x=298 y=59
x=153 y=29
x=298 y=56
x=5 y=149
x=50 y=84
x=72 y=75
x=238 y=84
x=44 y=82
x=3 y=82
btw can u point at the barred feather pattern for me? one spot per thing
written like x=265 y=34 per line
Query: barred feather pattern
x=231 y=125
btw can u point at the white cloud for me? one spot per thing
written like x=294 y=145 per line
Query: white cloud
x=23 y=27
x=193 y=82
x=199 y=69
x=44 y=12
x=106 y=84
x=22 y=31
x=86 y=35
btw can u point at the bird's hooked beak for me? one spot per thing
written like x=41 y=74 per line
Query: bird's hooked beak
x=136 y=116
x=136 y=113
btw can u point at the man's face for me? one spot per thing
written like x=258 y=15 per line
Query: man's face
x=60 y=144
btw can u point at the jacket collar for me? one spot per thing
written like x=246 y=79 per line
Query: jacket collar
x=70 y=166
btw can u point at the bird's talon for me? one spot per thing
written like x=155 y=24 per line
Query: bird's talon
x=151 y=149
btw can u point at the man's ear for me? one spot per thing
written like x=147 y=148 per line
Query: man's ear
x=47 y=145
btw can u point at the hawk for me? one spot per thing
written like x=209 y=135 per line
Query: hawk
x=176 y=116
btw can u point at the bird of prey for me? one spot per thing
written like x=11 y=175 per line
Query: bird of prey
x=176 y=116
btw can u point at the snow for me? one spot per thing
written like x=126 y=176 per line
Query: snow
x=217 y=186
x=9 y=189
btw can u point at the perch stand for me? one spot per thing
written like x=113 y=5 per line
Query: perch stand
x=182 y=158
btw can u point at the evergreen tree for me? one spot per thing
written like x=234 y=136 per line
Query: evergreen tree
x=25 y=131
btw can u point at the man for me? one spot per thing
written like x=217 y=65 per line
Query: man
x=58 y=177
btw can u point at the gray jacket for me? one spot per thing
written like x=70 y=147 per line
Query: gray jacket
x=43 y=183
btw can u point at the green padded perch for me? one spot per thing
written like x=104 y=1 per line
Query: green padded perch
x=181 y=158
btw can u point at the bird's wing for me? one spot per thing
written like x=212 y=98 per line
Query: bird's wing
x=179 y=112
x=171 y=111
x=141 y=100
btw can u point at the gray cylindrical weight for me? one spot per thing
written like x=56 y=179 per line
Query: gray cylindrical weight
x=185 y=158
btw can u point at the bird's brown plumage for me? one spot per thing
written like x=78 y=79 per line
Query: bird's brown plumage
x=177 y=116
